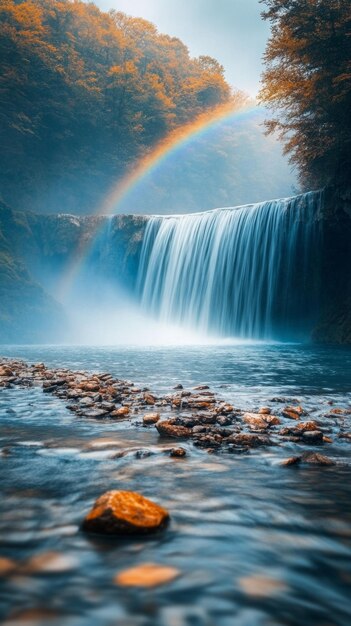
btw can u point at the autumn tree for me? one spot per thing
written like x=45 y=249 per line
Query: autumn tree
x=83 y=94
x=307 y=85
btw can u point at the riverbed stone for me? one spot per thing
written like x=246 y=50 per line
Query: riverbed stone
x=151 y=418
x=255 y=421
x=125 y=513
x=291 y=412
x=178 y=452
x=249 y=440
x=317 y=459
x=312 y=436
x=169 y=428
x=123 y=411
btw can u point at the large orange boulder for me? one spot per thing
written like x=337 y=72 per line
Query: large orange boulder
x=125 y=513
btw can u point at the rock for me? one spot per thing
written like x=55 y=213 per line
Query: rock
x=292 y=412
x=149 y=398
x=5 y=371
x=317 y=459
x=255 y=421
x=121 y=412
x=168 y=428
x=344 y=435
x=125 y=513
x=200 y=428
x=327 y=439
x=225 y=408
x=264 y=410
x=178 y=452
x=205 y=418
x=200 y=387
x=292 y=460
x=151 y=418
x=224 y=420
x=208 y=440
x=90 y=386
x=305 y=426
x=249 y=440
x=272 y=420
x=178 y=387
x=146 y=575
x=312 y=436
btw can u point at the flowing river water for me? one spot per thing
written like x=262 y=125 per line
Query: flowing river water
x=256 y=544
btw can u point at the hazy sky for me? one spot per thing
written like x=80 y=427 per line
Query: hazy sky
x=229 y=30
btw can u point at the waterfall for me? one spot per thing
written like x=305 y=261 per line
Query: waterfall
x=249 y=271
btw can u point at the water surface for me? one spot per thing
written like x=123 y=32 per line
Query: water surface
x=257 y=544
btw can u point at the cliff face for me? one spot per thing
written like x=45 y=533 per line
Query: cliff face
x=334 y=324
x=37 y=250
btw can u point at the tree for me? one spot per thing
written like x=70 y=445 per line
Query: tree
x=84 y=94
x=307 y=85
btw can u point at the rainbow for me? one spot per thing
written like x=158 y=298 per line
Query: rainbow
x=169 y=146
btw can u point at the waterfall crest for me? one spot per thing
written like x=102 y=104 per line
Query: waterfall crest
x=248 y=272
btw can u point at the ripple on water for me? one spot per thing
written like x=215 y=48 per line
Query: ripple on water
x=255 y=543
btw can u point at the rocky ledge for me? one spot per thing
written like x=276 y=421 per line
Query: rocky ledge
x=198 y=414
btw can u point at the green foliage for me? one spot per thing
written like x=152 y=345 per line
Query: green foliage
x=83 y=94
x=307 y=84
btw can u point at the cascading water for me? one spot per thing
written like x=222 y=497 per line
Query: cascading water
x=249 y=272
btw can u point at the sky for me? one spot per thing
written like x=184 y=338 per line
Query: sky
x=231 y=31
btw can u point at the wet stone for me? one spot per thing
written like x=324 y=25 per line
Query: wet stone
x=178 y=452
x=312 y=436
x=317 y=459
x=168 y=428
x=151 y=418
x=125 y=513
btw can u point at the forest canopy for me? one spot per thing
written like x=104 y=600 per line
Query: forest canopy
x=307 y=84
x=84 y=93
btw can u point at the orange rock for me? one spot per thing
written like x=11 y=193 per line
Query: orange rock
x=168 y=428
x=264 y=410
x=125 y=513
x=151 y=418
x=90 y=386
x=338 y=411
x=304 y=426
x=146 y=575
x=149 y=398
x=123 y=410
x=291 y=412
x=255 y=421
x=5 y=371
x=272 y=420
